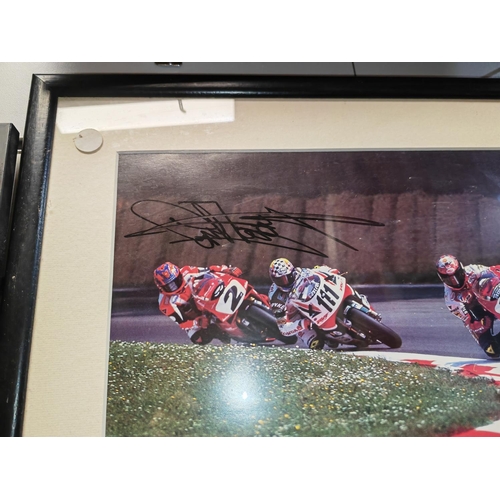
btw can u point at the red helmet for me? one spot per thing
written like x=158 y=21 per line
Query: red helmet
x=451 y=271
x=168 y=278
x=282 y=273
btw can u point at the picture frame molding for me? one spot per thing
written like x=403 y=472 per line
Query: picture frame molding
x=23 y=265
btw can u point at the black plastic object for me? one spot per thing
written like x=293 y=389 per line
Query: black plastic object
x=9 y=140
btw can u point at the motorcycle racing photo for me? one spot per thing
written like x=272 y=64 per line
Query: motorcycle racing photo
x=216 y=303
x=294 y=292
x=320 y=307
x=472 y=293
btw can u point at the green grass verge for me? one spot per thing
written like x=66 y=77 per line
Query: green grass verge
x=187 y=390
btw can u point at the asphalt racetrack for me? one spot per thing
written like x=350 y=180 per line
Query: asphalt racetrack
x=424 y=324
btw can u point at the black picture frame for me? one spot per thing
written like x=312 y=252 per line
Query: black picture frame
x=9 y=142
x=18 y=304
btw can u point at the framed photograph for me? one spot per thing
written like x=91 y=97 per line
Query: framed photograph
x=229 y=256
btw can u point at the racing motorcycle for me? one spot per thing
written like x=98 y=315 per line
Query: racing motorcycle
x=238 y=310
x=339 y=313
x=486 y=307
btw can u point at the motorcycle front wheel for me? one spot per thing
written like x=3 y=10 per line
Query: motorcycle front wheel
x=371 y=327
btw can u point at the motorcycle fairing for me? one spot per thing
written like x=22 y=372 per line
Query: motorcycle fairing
x=320 y=299
x=487 y=290
x=308 y=287
x=220 y=294
x=232 y=297
x=209 y=288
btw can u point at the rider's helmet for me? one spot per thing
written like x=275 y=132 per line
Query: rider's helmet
x=451 y=271
x=168 y=278
x=282 y=273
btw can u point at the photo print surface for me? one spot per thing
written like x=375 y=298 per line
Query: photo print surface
x=204 y=346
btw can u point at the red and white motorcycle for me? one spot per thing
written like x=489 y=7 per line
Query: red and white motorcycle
x=339 y=313
x=486 y=289
x=238 y=310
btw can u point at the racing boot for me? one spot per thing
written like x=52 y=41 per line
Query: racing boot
x=317 y=343
x=490 y=343
x=312 y=339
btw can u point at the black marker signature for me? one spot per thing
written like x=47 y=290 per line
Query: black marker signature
x=207 y=225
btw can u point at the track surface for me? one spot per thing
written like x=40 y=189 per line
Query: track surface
x=425 y=325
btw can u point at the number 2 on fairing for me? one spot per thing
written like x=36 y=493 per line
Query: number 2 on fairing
x=231 y=299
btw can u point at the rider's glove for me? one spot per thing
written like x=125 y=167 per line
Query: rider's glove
x=202 y=337
x=233 y=270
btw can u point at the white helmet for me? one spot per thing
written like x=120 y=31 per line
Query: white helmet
x=451 y=271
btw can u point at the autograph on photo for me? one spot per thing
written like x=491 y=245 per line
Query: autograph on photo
x=206 y=224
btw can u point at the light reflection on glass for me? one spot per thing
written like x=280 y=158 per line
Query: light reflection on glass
x=138 y=114
x=239 y=392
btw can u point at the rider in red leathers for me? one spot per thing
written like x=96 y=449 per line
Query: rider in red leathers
x=286 y=281
x=472 y=293
x=176 y=298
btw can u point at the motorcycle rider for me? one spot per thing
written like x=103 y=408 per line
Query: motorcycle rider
x=176 y=299
x=286 y=280
x=462 y=287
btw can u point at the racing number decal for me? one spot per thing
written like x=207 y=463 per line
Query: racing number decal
x=232 y=298
x=330 y=292
x=325 y=303
x=327 y=297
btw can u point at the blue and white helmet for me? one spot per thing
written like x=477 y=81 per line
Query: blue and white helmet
x=282 y=274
